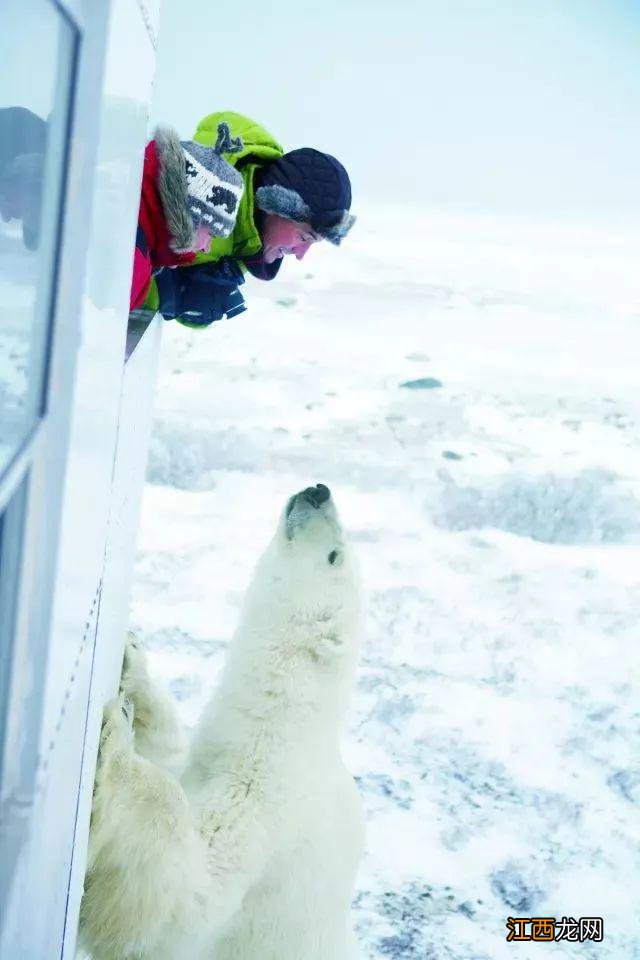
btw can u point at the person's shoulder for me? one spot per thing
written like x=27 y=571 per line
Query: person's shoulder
x=257 y=141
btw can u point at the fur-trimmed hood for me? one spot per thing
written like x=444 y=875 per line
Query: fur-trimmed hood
x=158 y=229
x=172 y=187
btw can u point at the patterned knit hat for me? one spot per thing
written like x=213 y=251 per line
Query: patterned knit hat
x=309 y=186
x=214 y=187
x=197 y=186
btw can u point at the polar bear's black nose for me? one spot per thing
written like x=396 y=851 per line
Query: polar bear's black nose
x=317 y=495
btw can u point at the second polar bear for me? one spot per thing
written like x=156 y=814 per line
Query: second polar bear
x=252 y=853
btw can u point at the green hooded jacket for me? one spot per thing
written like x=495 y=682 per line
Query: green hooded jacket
x=259 y=149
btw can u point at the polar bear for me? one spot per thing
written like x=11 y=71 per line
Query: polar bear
x=251 y=854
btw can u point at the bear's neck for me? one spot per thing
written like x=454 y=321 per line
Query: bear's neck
x=288 y=686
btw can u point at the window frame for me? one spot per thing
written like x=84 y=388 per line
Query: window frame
x=23 y=619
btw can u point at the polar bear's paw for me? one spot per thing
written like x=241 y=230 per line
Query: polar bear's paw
x=135 y=673
x=157 y=733
x=116 y=737
x=117 y=721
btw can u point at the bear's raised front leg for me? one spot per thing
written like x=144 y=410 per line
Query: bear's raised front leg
x=157 y=732
x=147 y=889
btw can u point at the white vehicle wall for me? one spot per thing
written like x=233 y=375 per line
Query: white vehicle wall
x=76 y=392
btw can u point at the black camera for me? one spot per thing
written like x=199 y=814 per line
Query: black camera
x=201 y=294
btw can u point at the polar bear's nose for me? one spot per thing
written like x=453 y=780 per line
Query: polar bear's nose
x=317 y=495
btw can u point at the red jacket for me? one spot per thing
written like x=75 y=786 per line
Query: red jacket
x=152 y=240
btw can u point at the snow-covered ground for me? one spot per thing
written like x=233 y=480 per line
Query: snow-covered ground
x=469 y=391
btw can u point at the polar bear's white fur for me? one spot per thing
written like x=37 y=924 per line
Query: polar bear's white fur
x=252 y=853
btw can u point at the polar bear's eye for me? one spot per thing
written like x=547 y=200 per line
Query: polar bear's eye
x=333 y=556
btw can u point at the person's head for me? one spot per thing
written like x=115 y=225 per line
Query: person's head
x=200 y=190
x=305 y=196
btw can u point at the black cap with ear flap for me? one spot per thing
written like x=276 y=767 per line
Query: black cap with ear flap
x=309 y=186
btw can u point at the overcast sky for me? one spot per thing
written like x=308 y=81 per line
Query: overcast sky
x=500 y=105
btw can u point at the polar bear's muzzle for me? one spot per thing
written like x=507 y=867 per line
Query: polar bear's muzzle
x=304 y=504
x=314 y=496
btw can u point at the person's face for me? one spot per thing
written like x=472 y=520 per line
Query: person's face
x=281 y=237
x=202 y=240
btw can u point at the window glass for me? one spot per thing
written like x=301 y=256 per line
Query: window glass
x=36 y=56
x=10 y=554
x=13 y=823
